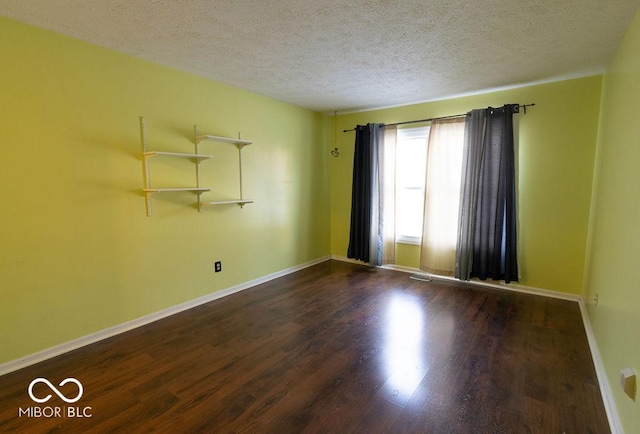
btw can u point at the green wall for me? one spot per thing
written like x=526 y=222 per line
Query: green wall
x=614 y=248
x=78 y=253
x=556 y=156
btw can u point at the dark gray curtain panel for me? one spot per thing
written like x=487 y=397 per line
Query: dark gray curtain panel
x=487 y=238
x=365 y=196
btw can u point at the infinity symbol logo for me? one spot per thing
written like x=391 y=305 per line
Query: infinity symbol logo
x=54 y=389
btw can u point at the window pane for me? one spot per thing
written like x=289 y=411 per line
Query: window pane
x=411 y=163
x=409 y=208
x=411 y=157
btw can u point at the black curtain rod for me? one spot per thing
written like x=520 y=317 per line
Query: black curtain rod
x=524 y=106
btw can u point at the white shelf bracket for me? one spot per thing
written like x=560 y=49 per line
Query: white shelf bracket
x=195 y=140
x=145 y=166
x=147 y=202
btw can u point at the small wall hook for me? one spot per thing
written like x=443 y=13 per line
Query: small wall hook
x=335 y=152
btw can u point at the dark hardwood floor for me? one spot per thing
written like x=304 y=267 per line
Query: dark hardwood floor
x=336 y=348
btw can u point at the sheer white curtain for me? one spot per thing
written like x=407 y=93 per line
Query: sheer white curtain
x=442 y=196
x=388 y=170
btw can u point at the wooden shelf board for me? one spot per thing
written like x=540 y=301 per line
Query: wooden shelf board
x=225 y=202
x=176 y=154
x=163 y=190
x=222 y=139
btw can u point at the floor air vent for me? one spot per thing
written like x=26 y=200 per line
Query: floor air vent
x=420 y=277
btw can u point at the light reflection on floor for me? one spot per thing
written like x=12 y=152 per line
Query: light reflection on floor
x=404 y=362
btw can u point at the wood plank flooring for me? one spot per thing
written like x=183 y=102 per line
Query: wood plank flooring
x=338 y=348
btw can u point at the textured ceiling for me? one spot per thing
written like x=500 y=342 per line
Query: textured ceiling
x=331 y=55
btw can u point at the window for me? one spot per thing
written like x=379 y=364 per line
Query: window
x=411 y=162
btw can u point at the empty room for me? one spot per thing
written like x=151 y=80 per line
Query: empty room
x=319 y=216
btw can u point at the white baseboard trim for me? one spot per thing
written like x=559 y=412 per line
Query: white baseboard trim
x=345 y=259
x=605 y=388
x=82 y=341
x=508 y=287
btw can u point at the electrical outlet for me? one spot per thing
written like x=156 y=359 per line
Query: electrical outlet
x=628 y=382
x=595 y=298
x=217 y=266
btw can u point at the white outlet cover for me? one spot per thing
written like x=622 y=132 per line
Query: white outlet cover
x=628 y=382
